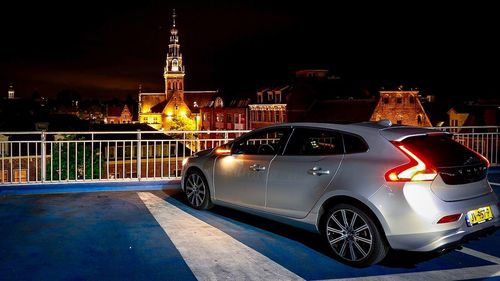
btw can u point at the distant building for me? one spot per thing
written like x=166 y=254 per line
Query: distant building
x=401 y=107
x=159 y=110
x=218 y=116
x=269 y=108
x=118 y=115
x=474 y=115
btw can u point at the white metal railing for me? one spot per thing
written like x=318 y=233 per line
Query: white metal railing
x=483 y=139
x=68 y=157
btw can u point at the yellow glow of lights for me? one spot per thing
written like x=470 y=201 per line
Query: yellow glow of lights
x=222 y=151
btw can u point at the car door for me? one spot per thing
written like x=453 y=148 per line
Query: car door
x=299 y=177
x=240 y=178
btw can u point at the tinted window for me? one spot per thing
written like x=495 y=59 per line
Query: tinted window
x=314 y=142
x=263 y=143
x=442 y=151
x=354 y=144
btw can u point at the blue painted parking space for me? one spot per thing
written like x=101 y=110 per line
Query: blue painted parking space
x=92 y=236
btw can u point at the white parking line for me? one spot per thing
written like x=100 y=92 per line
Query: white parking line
x=436 y=275
x=480 y=255
x=210 y=253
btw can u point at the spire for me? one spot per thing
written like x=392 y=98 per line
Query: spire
x=173 y=18
x=174 y=56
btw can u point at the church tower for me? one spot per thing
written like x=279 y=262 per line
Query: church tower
x=174 y=74
x=11 y=92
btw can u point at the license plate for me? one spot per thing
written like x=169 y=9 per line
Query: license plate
x=478 y=216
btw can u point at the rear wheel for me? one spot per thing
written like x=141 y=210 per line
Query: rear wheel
x=197 y=191
x=353 y=236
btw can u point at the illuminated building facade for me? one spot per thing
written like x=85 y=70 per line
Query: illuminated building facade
x=270 y=107
x=118 y=115
x=219 y=116
x=401 y=107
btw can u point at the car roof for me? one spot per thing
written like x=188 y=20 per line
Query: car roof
x=396 y=132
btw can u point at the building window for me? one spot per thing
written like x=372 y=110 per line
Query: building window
x=277 y=116
x=412 y=99
x=278 y=97
x=399 y=122
x=270 y=96
x=399 y=100
x=220 y=117
x=386 y=100
x=228 y=118
x=260 y=98
x=419 y=119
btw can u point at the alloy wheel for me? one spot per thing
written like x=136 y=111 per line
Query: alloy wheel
x=349 y=235
x=195 y=190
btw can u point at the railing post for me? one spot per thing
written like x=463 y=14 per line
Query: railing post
x=43 y=160
x=139 y=152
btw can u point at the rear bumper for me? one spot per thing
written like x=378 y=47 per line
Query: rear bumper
x=442 y=240
x=468 y=237
x=411 y=213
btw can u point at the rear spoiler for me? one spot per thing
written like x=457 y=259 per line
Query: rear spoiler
x=401 y=133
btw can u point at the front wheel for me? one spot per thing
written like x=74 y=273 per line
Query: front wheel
x=353 y=236
x=197 y=191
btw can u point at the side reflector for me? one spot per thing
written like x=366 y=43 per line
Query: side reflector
x=221 y=151
x=450 y=218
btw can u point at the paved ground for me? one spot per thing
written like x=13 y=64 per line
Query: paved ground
x=155 y=236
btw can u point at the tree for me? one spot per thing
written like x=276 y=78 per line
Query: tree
x=75 y=158
x=182 y=123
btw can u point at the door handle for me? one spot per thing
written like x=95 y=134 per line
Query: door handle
x=317 y=171
x=257 y=167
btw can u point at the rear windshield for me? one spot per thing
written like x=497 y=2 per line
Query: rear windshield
x=442 y=151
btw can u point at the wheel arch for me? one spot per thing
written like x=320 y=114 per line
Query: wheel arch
x=190 y=170
x=330 y=202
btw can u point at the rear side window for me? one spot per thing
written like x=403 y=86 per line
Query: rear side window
x=354 y=144
x=307 y=141
x=442 y=151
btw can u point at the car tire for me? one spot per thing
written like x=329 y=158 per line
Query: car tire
x=353 y=236
x=197 y=190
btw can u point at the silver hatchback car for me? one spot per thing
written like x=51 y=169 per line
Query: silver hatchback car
x=366 y=187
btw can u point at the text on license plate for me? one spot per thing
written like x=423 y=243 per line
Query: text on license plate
x=479 y=215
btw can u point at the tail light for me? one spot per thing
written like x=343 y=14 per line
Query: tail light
x=415 y=170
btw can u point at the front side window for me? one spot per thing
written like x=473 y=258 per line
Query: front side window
x=268 y=142
x=307 y=141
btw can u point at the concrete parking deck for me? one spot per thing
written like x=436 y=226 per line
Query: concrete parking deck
x=154 y=235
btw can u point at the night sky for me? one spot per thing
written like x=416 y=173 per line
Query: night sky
x=106 y=48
